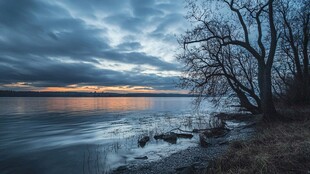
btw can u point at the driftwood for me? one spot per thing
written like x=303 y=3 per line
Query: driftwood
x=185 y=135
x=142 y=157
x=219 y=128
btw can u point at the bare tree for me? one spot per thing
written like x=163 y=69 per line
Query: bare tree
x=244 y=27
x=221 y=72
x=294 y=17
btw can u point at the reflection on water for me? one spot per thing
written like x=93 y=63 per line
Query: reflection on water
x=80 y=135
x=107 y=104
x=116 y=104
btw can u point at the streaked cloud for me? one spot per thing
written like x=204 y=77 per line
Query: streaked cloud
x=75 y=44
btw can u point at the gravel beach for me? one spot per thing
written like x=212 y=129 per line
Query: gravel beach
x=193 y=159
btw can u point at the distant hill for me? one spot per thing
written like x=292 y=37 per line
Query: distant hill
x=85 y=94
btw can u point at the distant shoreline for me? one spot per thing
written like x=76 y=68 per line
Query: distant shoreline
x=87 y=94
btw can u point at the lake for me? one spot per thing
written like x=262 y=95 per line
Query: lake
x=91 y=135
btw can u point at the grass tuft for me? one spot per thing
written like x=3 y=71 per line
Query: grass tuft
x=281 y=147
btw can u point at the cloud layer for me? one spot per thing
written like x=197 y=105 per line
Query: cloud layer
x=91 y=43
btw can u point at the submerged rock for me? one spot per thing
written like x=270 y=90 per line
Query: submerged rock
x=142 y=142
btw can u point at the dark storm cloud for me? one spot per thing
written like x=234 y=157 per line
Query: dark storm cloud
x=45 y=30
x=36 y=34
x=127 y=46
x=126 y=22
x=145 y=9
x=59 y=74
x=145 y=13
x=90 y=7
x=137 y=57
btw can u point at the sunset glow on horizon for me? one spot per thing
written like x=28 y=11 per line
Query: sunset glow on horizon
x=99 y=89
x=115 y=89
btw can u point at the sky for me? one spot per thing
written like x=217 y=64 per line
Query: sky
x=95 y=45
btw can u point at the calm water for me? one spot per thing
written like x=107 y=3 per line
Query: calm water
x=89 y=135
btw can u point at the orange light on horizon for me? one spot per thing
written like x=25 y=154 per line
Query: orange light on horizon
x=112 y=89
x=104 y=89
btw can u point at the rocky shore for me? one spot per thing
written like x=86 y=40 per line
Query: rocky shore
x=196 y=159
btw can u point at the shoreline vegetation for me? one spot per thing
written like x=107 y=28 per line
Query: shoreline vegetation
x=276 y=147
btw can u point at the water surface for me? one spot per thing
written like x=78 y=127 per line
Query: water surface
x=90 y=135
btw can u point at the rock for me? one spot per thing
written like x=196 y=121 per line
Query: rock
x=160 y=136
x=121 y=168
x=215 y=132
x=185 y=170
x=142 y=157
x=195 y=130
x=170 y=137
x=211 y=133
x=184 y=135
x=142 y=142
x=224 y=143
x=203 y=140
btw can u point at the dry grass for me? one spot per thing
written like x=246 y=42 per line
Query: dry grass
x=282 y=147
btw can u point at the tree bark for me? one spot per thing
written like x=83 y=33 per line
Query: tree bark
x=305 y=44
x=244 y=102
x=269 y=110
x=265 y=87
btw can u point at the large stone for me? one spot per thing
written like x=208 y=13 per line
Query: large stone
x=142 y=142
x=170 y=137
x=212 y=133
x=160 y=136
x=203 y=140
x=215 y=132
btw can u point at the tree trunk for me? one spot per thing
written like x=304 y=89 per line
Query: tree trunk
x=244 y=102
x=264 y=82
x=268 y=107
x=306 y=76
x=269 y=110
